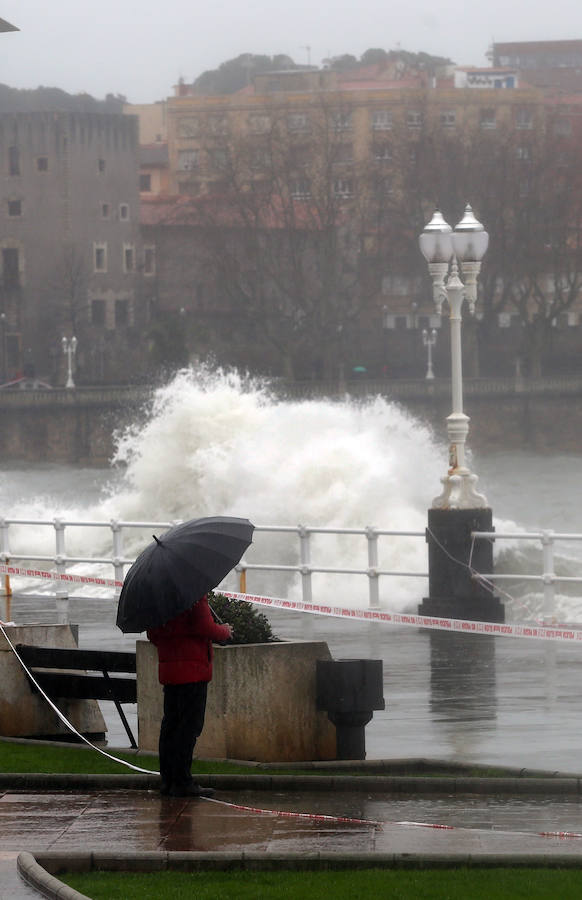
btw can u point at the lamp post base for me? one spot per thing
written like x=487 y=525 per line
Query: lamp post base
x=453 y=560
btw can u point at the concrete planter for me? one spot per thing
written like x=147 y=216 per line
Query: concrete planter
x=261 y=703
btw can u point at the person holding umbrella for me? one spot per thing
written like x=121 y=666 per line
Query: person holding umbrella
x=164 y=592
x=185 y=667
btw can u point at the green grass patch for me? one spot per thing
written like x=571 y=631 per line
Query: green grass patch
x=398 y=884
x=58 y=760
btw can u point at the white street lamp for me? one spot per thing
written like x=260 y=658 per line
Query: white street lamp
x=444 y=250
x=429 y=339
x=69 y=349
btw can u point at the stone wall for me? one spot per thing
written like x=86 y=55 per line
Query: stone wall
x=77 y=426
x=261 y=703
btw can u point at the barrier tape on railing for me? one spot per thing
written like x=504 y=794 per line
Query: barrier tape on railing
x=567 y=634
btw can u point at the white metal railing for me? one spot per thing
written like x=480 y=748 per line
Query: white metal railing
x=547 y=577
x=305 y=567
x=60 y=560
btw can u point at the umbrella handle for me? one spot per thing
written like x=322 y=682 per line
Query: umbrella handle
x=216 y=616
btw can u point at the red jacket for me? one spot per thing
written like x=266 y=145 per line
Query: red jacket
x=185 y=645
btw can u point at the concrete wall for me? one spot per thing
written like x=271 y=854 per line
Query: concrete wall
x=261 y=703
x=27 y=714
x=77 y=426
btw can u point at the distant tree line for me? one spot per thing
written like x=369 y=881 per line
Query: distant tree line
x=41 y=99
x=235 y=74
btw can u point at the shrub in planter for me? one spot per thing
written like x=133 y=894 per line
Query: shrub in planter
x=248 y=625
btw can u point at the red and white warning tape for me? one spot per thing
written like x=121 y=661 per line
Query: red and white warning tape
x=345 y=820
x=283 y=813
x=440 y=623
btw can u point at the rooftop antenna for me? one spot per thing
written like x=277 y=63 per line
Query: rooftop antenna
x=308 y=48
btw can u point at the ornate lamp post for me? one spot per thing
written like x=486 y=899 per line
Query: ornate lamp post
x=429 y=339
x=444 y=250
x=459 y=509
x=69 y=349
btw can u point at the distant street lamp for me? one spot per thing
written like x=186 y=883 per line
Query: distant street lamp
x=429 y=339
x=445 y=250
x=69 y=349
x=3 y=346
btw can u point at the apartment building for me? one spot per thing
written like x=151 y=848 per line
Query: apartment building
x=364 y=117
x=70 y=255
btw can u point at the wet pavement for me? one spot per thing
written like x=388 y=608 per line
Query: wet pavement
x=135 y=821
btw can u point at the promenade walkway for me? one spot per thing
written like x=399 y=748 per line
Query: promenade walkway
x=114 y=826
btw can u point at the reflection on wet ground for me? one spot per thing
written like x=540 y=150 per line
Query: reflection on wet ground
x=137 y=821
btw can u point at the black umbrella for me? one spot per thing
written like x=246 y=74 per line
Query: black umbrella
x=171 y=574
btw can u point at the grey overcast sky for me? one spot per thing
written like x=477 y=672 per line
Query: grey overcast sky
x=140 y=49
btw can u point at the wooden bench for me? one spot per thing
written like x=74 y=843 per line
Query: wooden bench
x=46 y=664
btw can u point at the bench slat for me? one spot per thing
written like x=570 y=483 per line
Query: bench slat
x=87 y=687
x=93 y=660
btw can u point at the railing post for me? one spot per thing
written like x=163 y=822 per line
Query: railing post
x=548 y=575
x=373 y=577
x=305 y=550
x=5 y=555
x=61 y=596
x=117 y=534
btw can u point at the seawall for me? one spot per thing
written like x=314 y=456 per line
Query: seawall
x=78 y=426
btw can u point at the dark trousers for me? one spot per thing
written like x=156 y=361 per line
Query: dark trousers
x=184 y=708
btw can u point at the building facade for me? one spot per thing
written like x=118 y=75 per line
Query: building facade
x=71 y=262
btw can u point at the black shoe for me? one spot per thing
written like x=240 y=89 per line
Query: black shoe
x=190 y=790
x=164 y=788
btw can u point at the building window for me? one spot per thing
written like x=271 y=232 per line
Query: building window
x=382 y=152
x=343 y=153
x=414 y=118
x=563 y=127
x=342 y=121
x=381 y=119
x=98 y=312
x=100 y=257
x=259 y=124
x=149 y=260
x=124 y=212
x=128 y=258
x=145 y=183
x=298 y=122
x=523 y=153
x=121 y=313
x=523 y=118
x=10 y=267
x=343 y=188
x=101 y=165
x=448 y=118
x=218 y=124
x=189 y=127
x=300 y=189
x=188 y=160
x=14 y=207
x=487 y=118
x=259 y=159
x=42 y=164
x=218 y=158
x=14 y=160
x=105 y=210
